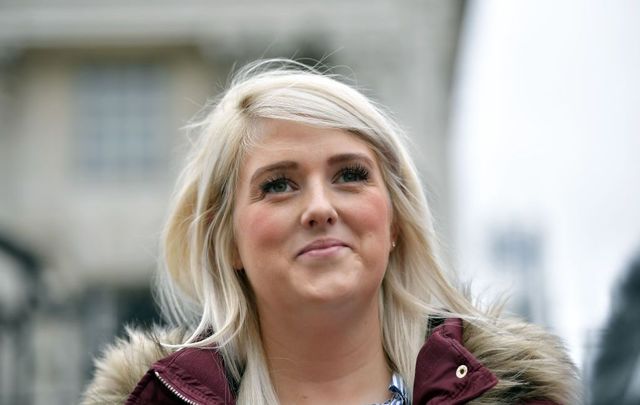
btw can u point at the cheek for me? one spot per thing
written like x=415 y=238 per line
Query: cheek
x=374 y=215
x=259 y=230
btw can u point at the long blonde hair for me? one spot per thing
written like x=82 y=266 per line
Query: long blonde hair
x=201 y=290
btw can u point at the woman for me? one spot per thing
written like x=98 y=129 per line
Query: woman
x=302 y=268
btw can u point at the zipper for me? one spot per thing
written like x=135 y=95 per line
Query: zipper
x=175 y=391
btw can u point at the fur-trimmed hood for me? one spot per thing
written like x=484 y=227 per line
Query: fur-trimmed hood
x=528 y=362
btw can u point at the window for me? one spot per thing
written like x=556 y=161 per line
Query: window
x=121 y=120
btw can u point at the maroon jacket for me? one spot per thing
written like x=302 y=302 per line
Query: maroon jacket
x=446 y=373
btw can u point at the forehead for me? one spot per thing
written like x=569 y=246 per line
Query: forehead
x=288 y=140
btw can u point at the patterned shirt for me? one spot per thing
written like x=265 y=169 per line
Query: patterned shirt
x=399 y=390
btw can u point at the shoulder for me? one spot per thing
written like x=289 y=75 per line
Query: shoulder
x=503 y=361
x=123 y=364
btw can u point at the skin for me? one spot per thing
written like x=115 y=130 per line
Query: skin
x=314 y=228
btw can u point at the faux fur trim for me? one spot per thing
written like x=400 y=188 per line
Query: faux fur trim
x=122 y=364
x=529 y=362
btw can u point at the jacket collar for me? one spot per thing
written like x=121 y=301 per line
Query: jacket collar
x=196 y=374
x=446 y=372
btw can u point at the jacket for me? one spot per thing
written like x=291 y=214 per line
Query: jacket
x=514 y=363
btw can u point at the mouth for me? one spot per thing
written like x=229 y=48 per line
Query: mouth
x=322 y=247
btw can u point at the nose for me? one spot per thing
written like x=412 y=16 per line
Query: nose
x=319 y=210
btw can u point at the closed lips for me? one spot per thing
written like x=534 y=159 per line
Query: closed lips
x=322 y=244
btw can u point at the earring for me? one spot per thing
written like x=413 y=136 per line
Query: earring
x=393 y=244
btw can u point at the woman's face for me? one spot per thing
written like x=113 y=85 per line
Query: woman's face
x=312 y=218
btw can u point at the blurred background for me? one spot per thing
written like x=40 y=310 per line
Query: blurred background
x=523 y=115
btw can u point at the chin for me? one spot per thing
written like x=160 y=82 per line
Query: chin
x=339 y=293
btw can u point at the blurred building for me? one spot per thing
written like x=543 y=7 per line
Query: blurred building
x=92 y=99
x=545 y=168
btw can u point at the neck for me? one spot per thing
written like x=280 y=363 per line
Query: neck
x=326 y=356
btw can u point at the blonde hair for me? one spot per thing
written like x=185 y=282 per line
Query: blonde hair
x=201 y=289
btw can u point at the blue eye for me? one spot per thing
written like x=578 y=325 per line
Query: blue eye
x=353 y=174
x=279 y=185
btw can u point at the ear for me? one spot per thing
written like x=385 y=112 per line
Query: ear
x=394 y=235
x=237 y=264
x=236 y=260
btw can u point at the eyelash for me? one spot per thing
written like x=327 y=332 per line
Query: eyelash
x=267 y=185
x=360 y=172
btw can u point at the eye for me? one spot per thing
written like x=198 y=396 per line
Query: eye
x=352 y=174
x=277 y=185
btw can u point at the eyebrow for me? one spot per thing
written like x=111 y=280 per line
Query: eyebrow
x=292 y=165
x=346 y=157
x=278 y=166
